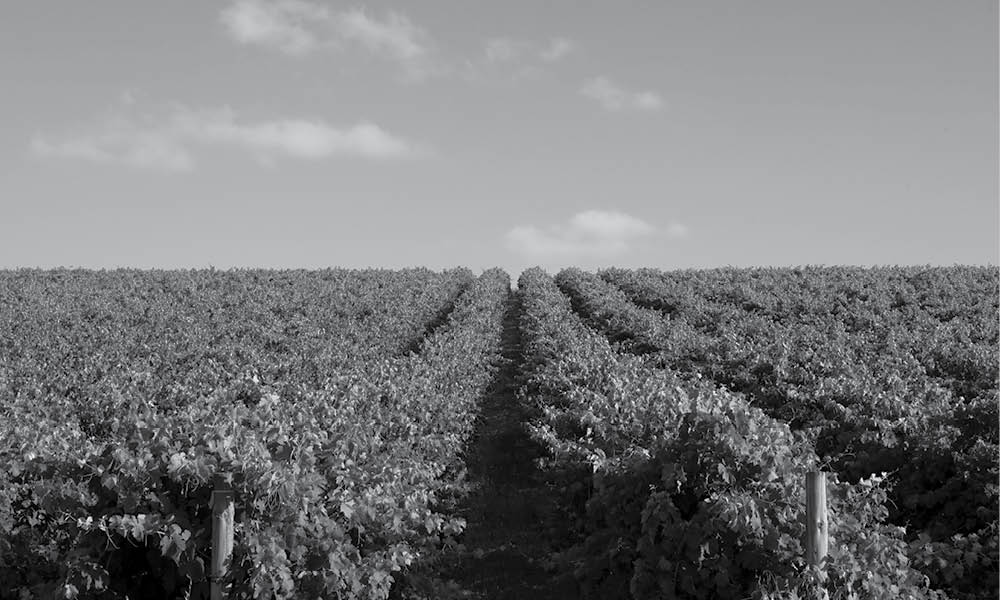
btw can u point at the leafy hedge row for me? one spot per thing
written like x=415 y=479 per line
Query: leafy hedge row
x=171 y=337
x=680 y=489
x=933 y=326
x=339 y=480
x=866 y=396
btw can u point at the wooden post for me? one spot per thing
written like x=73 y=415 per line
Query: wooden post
x=223 y=517
x=817 y=527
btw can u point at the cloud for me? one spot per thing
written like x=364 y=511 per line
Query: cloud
x=676 y=230
x=306 y=27
x=503 y=49
x=297 y=138
x=396 y=36
x=167 y=144
x=557 y=49
x=281 y=24
x=592 y=233
x=300 y=28
x=616 y=98
x=121 y=144
x=507 y=49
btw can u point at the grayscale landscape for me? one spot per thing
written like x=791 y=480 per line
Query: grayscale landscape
x=499 y=300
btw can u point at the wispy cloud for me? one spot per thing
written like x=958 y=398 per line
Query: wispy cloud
x=508 y=59
x=676 y=230
x=558 y=48
x=592 y=233
x=120 y=143
x=286 y=25
x=302 y=28
x=504 y=49
x=616 y=98
x=395 y=36
x=508 y=49
x=299 y=28
x=168 y=143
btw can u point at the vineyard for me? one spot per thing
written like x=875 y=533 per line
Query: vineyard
x=417 y=434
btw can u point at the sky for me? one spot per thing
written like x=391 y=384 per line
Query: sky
x=315 y=133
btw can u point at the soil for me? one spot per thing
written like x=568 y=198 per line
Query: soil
x=507 y=543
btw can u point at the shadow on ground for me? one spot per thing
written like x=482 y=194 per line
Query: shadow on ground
x=507 y=543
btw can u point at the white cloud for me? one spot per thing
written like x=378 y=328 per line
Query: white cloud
x=396 y=37
x=305 y=27
x=676 y=230
x=503 y=49
x=297 y=138
x=557 y=49
x=592 y=233
x=282 y=24
x=615 y=98
x=300 y=27
x=122 y=145
x=507 y=50
x=167 y=144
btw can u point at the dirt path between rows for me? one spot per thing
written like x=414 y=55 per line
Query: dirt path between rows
x=505 y=546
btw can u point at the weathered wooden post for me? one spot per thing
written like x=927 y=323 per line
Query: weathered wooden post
x=817 y=526
x=223 y=517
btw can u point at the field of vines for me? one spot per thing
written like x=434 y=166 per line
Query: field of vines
x=337 y=400
x=672 y=417
x=700 y=398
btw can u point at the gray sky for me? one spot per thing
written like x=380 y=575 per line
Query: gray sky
x=309 y=133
